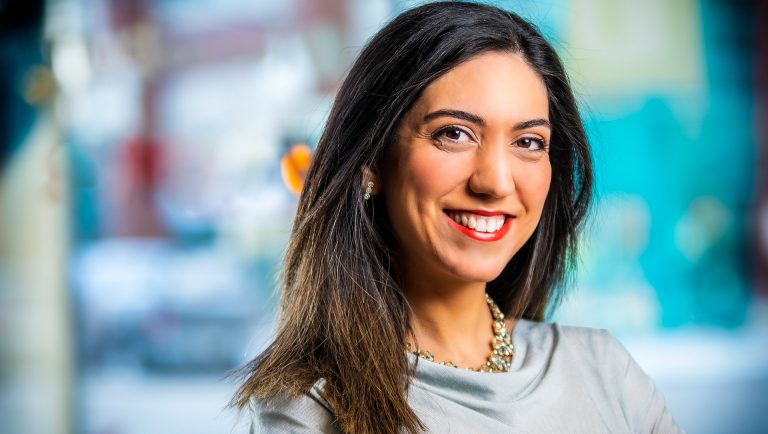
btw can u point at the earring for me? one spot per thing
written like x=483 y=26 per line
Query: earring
x=368 y=190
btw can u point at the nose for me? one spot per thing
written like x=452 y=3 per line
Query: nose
x=493 y=173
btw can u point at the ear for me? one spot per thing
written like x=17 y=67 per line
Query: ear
x=370 y=176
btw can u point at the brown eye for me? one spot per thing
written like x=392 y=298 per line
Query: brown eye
x=453 y=134
x=532 y=143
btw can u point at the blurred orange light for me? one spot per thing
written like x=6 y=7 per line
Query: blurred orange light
x=294 y=165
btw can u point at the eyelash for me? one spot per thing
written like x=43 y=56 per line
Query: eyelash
x=439 y=134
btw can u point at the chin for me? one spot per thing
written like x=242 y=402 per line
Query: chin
x=478 y=274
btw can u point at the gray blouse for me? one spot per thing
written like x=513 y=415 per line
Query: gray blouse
x=563 y=379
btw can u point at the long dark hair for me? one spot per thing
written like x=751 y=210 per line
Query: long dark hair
x=343 y=317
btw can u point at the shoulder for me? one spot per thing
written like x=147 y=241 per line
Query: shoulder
x=586 y=344
x=597 y=346
x=593 y=352
x=307 y=413
x=577 y=341
x=613 y=372
x=609 y=373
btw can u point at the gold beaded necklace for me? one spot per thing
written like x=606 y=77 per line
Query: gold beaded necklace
x=500 y=358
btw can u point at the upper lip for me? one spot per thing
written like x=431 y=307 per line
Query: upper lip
x=482 y=212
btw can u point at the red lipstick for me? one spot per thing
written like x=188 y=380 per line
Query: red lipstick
x=484 y=236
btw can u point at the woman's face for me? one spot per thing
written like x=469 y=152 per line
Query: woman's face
x=466 y=181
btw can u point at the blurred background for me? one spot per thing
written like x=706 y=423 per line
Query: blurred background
x=151 y=152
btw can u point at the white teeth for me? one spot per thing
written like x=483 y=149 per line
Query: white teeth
x=478 y=223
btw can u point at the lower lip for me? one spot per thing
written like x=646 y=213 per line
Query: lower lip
x=484 y=236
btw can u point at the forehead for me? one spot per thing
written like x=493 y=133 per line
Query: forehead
x=498 y=86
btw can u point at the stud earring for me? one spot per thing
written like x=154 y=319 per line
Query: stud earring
x=368 y=190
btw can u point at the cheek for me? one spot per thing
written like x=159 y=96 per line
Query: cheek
x=424 y=179
x=534 y=186
x=429 y=175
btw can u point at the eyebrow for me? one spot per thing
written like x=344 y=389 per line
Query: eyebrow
x=475 y=119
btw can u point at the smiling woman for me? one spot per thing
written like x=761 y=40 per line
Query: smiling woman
x=437 y=224
x=471 y=156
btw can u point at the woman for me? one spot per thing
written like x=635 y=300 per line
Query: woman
x=437 y=225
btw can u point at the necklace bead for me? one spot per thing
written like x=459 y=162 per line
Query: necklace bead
x=500 y=358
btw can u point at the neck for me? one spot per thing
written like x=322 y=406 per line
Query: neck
x=451 y=319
